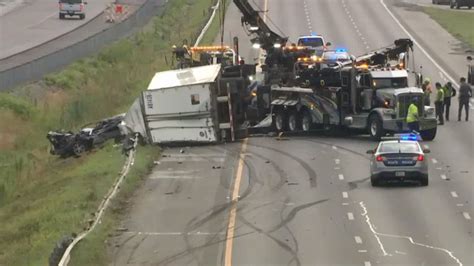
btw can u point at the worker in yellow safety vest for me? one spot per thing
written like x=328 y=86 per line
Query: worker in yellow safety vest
x=413 y=115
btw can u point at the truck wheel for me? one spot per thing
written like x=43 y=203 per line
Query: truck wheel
x=293 y=122
x=83 y=16
x=61 y=16
x=280 y=121
x=375 y=127
x=306 y=121
x=428 y=134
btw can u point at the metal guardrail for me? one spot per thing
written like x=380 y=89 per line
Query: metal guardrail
x=36 y=69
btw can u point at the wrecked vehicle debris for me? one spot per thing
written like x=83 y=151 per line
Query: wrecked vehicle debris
x=67 y=143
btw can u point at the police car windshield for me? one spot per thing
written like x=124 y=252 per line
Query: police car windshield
x=312 y=42
x=399 y=147
x=381 y=83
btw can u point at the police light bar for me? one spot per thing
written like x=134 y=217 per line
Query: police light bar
x=408 y=136
x=341 y=50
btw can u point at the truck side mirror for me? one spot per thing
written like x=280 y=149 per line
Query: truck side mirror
x=328 y=44
x=469 y=58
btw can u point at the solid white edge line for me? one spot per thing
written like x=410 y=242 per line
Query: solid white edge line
x=418 y=44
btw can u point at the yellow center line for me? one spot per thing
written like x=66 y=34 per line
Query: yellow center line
x=233 y=209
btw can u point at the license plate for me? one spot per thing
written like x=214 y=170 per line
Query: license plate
x=399 y=173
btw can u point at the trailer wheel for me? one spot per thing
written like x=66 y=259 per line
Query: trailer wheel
x=293 y=122
x=428 y=134
x=375 y=127
x=306 y=121
x=280 y=121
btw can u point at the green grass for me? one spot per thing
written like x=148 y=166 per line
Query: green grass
x=42 y=197
x=458 y=23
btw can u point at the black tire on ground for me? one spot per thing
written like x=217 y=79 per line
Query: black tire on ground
x=293 y=122
x=451 y=4
x=280 y=121
x=424 y=182
x=306 y=121
x=470 y=7
x=428 y=134
x=375 y=127
x=61 y=16
x=458 y=6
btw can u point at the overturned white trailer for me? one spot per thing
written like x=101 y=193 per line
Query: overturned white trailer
x=186 y=105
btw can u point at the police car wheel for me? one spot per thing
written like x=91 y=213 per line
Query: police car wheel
x=374 y=182
x=424 y=182
x=375 y=127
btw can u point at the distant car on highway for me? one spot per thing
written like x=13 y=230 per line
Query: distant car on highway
x=315 y=42
x=460 y=3
x=72 y=8
x=401 y=160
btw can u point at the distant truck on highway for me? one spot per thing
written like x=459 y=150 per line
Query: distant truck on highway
x=72 y=8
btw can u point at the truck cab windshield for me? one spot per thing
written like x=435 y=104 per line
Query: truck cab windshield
x=382 y=83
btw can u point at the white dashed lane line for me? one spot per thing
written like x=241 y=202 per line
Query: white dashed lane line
x=358 y=240
x=350 y=216
x=345 y=195
x=341 y=177
x=443 y=177
x=367 y=263
x=466 y=215
x=337 y=161
x=454 y=194
x=434 y=160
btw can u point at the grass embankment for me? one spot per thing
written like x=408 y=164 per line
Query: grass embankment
x=42 y=197
x=458 y=23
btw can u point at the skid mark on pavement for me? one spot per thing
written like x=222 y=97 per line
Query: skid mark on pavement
x=295 y=211
x=409 y=238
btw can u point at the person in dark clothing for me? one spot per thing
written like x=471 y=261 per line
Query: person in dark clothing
x=465 y=93
x=449 y=92
x=439 y=103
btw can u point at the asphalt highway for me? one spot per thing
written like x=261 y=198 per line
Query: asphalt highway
x=307 y=200
x=36 y=22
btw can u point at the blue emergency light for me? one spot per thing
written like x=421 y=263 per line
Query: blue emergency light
x=341 y=50
x=409 y=136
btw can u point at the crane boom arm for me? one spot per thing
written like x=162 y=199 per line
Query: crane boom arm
x=256 y=26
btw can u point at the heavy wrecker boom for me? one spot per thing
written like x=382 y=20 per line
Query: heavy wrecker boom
x=255 y=25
